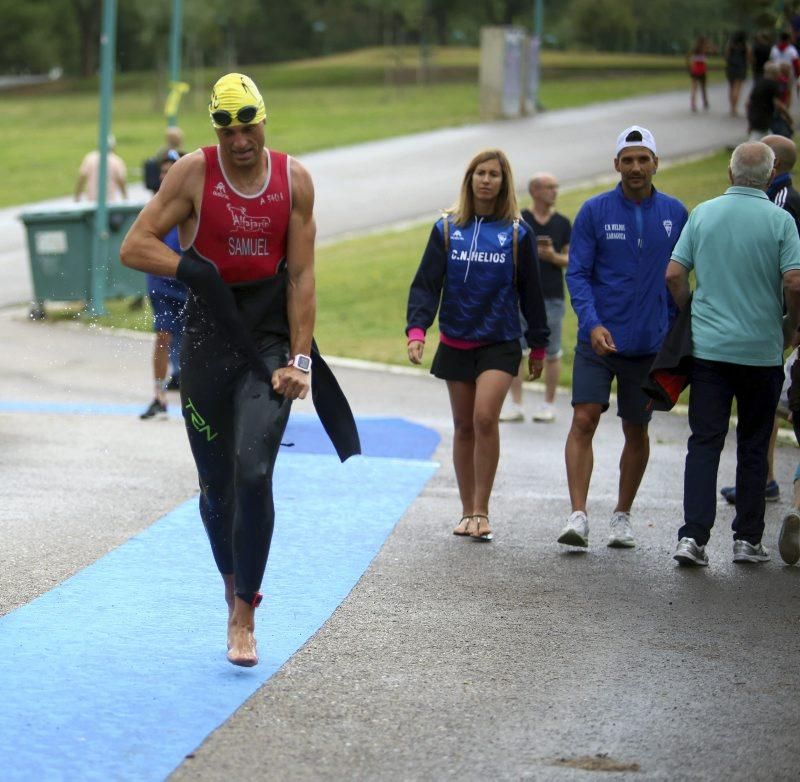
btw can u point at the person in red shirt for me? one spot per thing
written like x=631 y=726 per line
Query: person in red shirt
x=246 y=226
x=696 y=61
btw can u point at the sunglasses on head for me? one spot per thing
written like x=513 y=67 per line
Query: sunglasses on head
x=224 y=118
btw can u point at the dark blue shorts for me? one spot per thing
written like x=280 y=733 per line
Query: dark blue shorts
x=592 y=376
x=167 y=313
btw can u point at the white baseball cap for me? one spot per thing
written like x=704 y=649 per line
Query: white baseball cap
x=636 y=136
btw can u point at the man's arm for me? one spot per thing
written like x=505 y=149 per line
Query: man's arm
x=301 y=297
x=549 y=255
x=791 y=287
x=173 y=204
x=121 y=174
x=80 y=184
x=583 y=248
x=678 y=283
x=83 y=175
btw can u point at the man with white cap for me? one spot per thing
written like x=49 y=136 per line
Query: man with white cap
x=620 y=247
x=246 y=227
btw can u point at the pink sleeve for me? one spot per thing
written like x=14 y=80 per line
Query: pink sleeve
x=416 y=334
x=538 y=354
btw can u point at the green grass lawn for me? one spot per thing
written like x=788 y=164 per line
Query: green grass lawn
x=362 y=284
x=311 y=104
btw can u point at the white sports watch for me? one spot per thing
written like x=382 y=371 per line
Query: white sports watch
x=301 y=362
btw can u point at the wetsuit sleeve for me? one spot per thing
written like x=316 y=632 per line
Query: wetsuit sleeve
x=529 y=288
x=582 y=249
x=426 y=288
x=203 y=279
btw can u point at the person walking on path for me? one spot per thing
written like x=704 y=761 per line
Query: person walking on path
x=245 y=218
x=782 y=193
x=167 y=298
x=737 y=56
x=552 y=243
x=478 y=270
x=785 y=52
x=789 y=534
x=697 y=63
x=621 y=244
x=745 y=254
x=764 y=106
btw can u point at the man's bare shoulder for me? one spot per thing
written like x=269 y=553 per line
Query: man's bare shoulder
x=185 y=177
x=302 y=185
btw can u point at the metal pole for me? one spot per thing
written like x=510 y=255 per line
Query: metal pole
x=99 y=268
x=538 y=19
x=175 y=37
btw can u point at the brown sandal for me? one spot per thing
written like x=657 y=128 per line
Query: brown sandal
x=487 y=535
x=462 y=528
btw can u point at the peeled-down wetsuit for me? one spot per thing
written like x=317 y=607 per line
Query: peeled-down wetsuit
x=236 y=335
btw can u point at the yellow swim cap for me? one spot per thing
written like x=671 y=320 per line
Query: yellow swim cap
x=235 y=100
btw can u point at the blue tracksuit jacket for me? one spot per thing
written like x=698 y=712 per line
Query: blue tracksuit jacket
x=618 y=256
x=475 y=284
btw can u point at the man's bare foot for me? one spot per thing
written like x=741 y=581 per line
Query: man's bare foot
x=241 y=638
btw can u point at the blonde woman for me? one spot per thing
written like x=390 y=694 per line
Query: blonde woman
x=478 y=270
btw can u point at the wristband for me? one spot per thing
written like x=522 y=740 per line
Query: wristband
x=416 y=334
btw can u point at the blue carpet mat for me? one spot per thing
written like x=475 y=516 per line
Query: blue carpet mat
x=120 y=671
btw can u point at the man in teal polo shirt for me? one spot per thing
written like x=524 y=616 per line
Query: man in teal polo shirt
x=745 y=253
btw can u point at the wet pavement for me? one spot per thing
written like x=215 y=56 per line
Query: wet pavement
x=450 y=659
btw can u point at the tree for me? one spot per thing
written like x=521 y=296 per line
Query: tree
x=608 y=25
x=87 y=14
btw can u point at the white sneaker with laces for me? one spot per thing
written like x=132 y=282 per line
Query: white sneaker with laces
x=687 y=552
x=744 y=551
x=545 y=413
x=621 y=531
x=512 y=413
x=576 y=532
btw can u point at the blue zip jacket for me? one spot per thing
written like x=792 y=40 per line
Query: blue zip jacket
x=618 y=257
x=475 y=284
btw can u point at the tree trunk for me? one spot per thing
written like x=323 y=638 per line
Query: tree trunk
x=87 y=16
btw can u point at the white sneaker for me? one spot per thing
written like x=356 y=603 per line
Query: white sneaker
x=512 y=413
x=576 y=533
x=621 y=531
x=743 y=551
x=545 y=413
x=688 y=552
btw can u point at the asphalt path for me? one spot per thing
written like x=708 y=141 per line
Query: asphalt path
x=449 y=659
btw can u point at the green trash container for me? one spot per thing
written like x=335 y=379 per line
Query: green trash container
x=60 y=240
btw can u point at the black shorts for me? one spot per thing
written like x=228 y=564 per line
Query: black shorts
x=465 y=365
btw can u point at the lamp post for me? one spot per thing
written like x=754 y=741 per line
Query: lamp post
x=175 y=37
x=99 y=267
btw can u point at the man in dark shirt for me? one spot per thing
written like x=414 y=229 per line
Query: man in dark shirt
x=764 y=103
x=762 y=44
x=781 y=192
x=552 y=239
x=552 y=243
